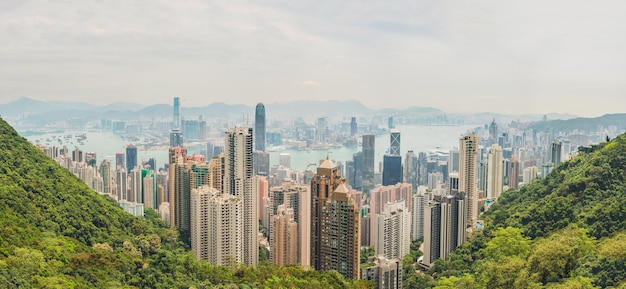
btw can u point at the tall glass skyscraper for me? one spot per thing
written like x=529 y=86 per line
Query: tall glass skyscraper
x=369 y=145
x=131 y=157
x=259 y=127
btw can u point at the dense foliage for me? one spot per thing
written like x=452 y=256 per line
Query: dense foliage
x=57 y=233
x=563 y=231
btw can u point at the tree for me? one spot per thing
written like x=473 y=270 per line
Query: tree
x=507 y=242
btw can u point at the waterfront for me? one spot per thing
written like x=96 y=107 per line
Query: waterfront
x=414 y=137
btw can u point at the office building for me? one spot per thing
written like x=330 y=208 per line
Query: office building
x=238 y=180
x=131 y=157
x=422 y=169
x=410 y=168
x=261 y=163
x=119 y=161
x=284 y=159
x=392 y=170
x=555 y=153
x=394 y=142
x=353 y=126
x=176 y=134
x=259 y=127
x=368 y=164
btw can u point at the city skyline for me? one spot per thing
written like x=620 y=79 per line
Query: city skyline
x=482 y=56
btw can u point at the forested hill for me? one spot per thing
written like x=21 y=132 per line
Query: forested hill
x=567 y=230
x=57 y=233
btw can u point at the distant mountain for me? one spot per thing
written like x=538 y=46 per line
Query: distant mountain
x=117 y=106
x=583 y=124
x=329 y=108
x=25 y=106
x=44 y=112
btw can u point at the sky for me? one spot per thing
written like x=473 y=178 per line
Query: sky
x=535 y=56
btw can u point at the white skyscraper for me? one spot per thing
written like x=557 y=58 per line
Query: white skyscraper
x=215 y=226
x=238 y=182
x=468 y=153
x=530 y=173
x=420 y=199
x=121 y=184
x=393 y=231
x=135 y=185
x=495 y=172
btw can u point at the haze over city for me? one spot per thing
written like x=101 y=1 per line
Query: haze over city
x=522 y=57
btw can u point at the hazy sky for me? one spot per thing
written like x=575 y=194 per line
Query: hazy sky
x=459 y=56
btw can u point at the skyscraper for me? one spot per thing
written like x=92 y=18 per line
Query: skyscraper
x=238 y=180
x=369 y=154
x=284 y=237
x=119 y=161
x=493 y=131
x=298 y=198
x=261 y=161
x=179 y=188
x=385 y=273
x=392 y=169
x=90 y=159
x=353 y=126
x=468 y=152
x=410 y=168
x=216 y=226
x=422 y=169
x=514 y=172
x=259 y=127
x=555 y=153
x=121 y=184
x=495 y=172
x=176 y=135
x=131 y=157
x=335 y=223
x=394 y=142
x=420 y=199
x=393 y=231
x=444 y=226
x=107 y=178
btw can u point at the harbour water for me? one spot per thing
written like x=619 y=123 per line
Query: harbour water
x=415 y=137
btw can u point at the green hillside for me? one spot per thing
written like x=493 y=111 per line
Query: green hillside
x=57 y=233
x=567 y=230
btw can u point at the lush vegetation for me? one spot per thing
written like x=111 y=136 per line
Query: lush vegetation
x=57 y=233
x=567 y=230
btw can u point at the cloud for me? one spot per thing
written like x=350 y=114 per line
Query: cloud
x=411 y=52
x=308 y=83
